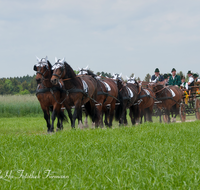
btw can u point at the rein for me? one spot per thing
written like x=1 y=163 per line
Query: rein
x=160 y=90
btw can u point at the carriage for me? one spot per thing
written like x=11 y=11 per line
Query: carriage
x=189 y=106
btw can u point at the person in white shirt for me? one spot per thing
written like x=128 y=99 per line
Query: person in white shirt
x=191 y=79
x=184 y=84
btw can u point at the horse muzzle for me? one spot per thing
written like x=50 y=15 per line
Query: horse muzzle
x=54 y=81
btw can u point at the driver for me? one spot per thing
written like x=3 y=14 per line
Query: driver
x=157 y=77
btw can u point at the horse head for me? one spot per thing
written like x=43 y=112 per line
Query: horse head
x=118 y=79
x=58 y=71
x=43 y=69
x=155 y=86
x=83 y=71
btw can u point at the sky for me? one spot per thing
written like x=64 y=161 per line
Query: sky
x=114 y=36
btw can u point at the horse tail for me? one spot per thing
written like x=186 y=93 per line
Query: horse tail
x=92 y=111
x=62 y=116
x=119 y=108
x=135 y=110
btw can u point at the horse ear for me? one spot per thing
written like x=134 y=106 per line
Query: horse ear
x=86 y=68
x=56 y=60
x=46 y=58
x=38 y=59
x=63 y=60
x=35 y=68
x=120 y=75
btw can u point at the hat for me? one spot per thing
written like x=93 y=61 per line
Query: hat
x=189 y=72
x=169 y=74
x=195 y=75
x=173 y=69
x=165 y=76
x=157 y=70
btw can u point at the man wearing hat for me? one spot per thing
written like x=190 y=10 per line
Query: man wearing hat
x=195 y=76
x=174 y=80
x=166 y=79
x=191 y=79
x=157 y=77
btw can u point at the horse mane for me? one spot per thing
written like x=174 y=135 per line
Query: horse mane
x=71 y=74
x=50 y=66
x=91 y=73
x=69 y=71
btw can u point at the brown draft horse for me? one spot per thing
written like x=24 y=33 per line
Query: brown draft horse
x=128 y=95
x=80 y=90
x=146 y=99
x=44 y=94
x=169 y=100
x=105 y=96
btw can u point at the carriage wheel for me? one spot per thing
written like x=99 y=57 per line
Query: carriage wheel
x=197 y=108
x=182 y=112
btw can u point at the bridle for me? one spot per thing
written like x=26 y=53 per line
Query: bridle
x=62 y=70
x=39 y=72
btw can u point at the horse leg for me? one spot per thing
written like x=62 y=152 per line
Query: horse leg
x=150 y=112
x=176 y=110
x=133 y=110
x=53 y=117
x=60 y=122
x=123 y=114
x=168 y=115
x=47 y=118
x=76 y=113
x=106 y=111
x=70 y=115
x=80 y=123
x=100 y=110
x=125 y=118
x=86 y=120
x=160 y=114
x=111 y=113
x=141 y=116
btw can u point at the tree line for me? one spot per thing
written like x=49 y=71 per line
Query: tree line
x=27 y=84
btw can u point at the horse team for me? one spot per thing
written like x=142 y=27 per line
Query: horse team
x=59 y=87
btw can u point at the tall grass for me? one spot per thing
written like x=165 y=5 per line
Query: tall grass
x=149 y=156
x=19 y=105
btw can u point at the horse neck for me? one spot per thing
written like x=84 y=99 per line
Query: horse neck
x=74 y=82
x=119 y=85
x=47 y=81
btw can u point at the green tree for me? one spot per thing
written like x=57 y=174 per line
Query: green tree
x=147 y=77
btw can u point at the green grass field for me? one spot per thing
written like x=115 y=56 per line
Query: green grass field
x=147 y=156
